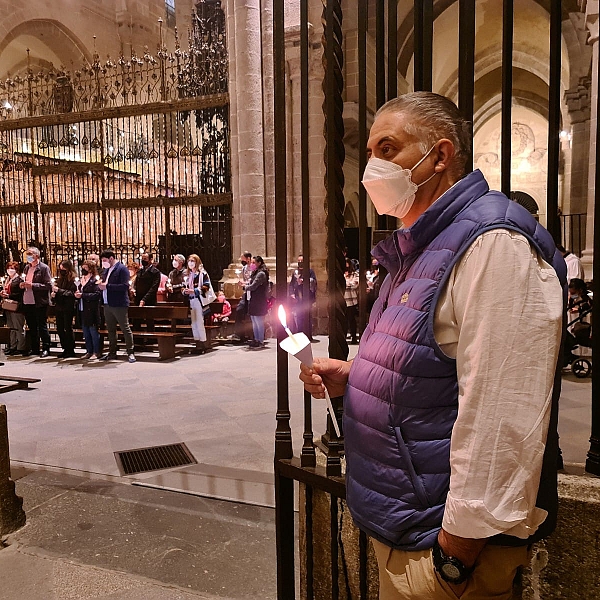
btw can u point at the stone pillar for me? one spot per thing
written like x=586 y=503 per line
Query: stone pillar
x=268 y=119
x=591 y=16
x=575 y=200
x=247 y=128
x=316 y=144
x=12 y=515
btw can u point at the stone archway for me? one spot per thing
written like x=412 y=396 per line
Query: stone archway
x=49 y=41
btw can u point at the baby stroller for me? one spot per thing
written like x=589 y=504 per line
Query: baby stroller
x=579 y=338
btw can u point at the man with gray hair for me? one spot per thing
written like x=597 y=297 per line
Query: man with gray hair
x=449 y=418
x=36 y=297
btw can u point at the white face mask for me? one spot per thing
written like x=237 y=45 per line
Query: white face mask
x=176 y=264
x=191 y=264
x=390 y=187
x=11 y=272
x=105 y=264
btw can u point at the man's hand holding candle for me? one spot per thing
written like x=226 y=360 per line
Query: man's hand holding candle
x=327 y=373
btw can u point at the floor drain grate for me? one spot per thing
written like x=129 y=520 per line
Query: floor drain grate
x=154 y=458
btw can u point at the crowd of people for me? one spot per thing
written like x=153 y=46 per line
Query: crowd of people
x=106 y=288
x=99 y=297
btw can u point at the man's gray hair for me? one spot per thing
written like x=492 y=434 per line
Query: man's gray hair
x=32 y=250
x=435 y=117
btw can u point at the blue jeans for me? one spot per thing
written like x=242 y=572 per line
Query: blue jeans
x=92 y=339
x=258 y=326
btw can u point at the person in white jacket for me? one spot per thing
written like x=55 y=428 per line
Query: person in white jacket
x=574 y=266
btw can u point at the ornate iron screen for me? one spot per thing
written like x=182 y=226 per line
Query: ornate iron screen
x=132 y=155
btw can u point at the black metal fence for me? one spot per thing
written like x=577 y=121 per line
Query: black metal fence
x=377 y=22
x=131 y=154
x=572 y=232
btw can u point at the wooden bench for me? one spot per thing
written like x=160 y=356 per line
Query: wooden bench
x=172 y=313
x=19 y=383
x=166 y=340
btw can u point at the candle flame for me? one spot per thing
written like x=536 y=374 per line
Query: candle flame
x=282 y=316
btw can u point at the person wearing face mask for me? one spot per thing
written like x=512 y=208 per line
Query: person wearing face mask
x=114 y=286
x=197 y=282
x=88 y=297
x=14 y=319
x=256 y=296
x=451 y=445
x=579 y=298
x=175 y=282
x=63 y=296
x=147 y=282
x=36 y=286
x=241 y=329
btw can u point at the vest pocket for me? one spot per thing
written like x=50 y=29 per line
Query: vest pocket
x=409 y=468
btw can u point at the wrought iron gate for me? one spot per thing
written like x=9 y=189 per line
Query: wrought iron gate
x=372 y=45
x=131 y=155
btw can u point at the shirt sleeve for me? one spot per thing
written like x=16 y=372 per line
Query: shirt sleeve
x=500 y=316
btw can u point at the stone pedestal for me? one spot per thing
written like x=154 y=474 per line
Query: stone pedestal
x=12 y=515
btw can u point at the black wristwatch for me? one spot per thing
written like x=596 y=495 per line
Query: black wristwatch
x=450 y=568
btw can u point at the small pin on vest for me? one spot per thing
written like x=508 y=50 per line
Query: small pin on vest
x=404 y=298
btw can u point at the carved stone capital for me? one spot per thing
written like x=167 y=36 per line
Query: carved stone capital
x=578 y=101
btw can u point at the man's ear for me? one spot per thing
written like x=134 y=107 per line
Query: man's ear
x=445 y=155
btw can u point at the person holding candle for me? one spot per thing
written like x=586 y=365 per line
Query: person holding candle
x=133 y=268
x=114 y=286
x=88 y=296
x=197 y=283
x=256 y=297
x=449 y=420
x=175 y=282
x=36 y=286
x=147 y=281
x=241 y=325
x=14 y=319
x=63 y=296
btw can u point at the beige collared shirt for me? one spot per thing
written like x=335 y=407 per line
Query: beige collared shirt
x=500 y=316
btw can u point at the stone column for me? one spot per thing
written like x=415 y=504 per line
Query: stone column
x=591 y=16
x=246 y=90
x=575 y=201
x=316 y=145
x=268 y=118
x=12 y=515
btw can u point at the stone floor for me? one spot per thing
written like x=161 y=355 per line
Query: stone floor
x=222 y=405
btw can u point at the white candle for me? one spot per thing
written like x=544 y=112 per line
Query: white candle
x=298 y=345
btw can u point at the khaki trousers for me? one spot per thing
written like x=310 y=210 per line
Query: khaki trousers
x=411 y=575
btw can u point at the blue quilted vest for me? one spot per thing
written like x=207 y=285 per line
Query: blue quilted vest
x=402 y=396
